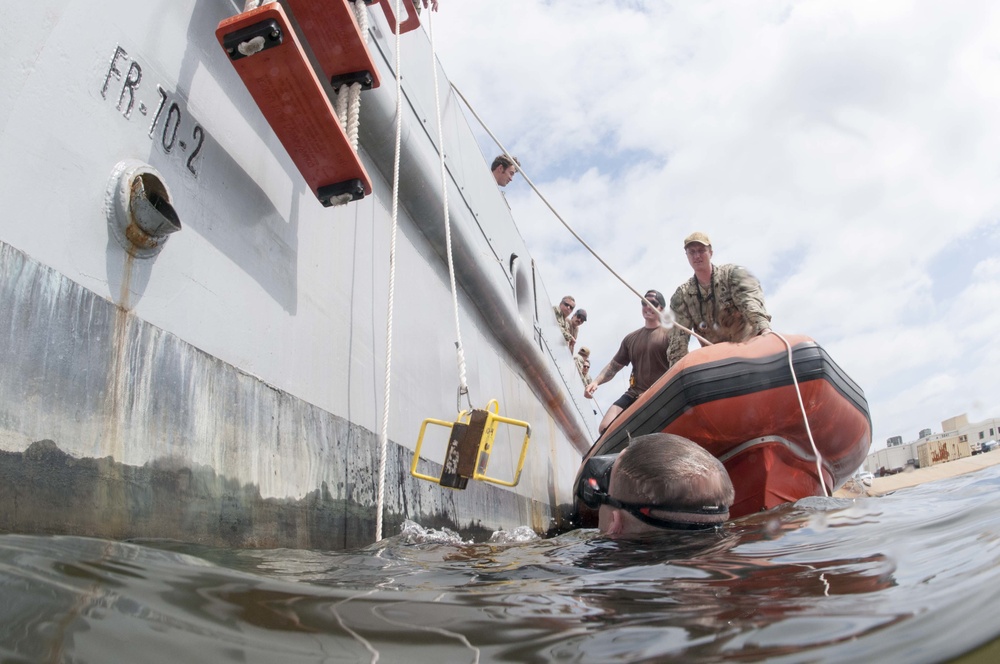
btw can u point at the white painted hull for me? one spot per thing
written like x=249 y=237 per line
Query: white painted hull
x=230 y=388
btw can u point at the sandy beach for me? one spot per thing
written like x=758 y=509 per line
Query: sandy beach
x=883 y=485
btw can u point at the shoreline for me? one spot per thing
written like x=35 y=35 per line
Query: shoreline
x=883 y=485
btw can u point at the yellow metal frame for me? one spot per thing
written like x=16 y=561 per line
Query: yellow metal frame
x=493 y=418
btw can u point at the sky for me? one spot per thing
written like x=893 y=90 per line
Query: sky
x=847 y=152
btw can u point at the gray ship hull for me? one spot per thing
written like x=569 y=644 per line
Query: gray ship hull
x=228 y=387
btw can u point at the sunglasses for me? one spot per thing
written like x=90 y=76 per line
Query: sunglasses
x=566 y=304
x=593 y=492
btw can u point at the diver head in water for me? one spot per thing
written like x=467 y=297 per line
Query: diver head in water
x=660 y=481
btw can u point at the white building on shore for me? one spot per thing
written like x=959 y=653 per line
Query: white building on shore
x=957 y=440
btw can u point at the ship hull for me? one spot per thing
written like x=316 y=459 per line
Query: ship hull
x=229 y=387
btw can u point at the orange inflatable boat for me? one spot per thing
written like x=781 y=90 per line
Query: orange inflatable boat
x=739 y=402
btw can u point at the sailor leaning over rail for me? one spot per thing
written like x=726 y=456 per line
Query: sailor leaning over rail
x=720 y=302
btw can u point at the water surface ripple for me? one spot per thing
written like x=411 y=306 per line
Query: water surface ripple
x=909 y=577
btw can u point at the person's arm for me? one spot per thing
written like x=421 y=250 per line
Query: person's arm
x=679 y=339
x=607 y=373
x=749 y=299
x=567 y=334
x=678 y=347
x=564 y=324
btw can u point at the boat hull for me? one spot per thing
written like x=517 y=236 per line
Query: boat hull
x=739 y=401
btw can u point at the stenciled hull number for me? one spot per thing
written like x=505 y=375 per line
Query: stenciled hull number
x=167 y=114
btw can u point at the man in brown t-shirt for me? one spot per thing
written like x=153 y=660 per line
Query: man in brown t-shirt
x=646 y=350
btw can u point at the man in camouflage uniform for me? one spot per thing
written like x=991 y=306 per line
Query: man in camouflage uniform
x=720 y=302
x=582 y=360
x=563 y=312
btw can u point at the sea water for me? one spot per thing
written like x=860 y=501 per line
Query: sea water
x=907 y=577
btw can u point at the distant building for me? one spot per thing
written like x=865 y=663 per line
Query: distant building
x=958 y=439
x=940 y=451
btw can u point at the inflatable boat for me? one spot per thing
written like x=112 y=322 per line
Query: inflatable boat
x=742 y=403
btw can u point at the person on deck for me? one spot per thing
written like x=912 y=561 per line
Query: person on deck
x=504 y=169
x=582 y=360
x=645 y=349
x=720 y=302
x=578 y=318
x=662 y=481
x=563 y=312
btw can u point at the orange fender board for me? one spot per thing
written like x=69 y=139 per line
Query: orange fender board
x=412 y=21
x=331 y=29
x=293 y=101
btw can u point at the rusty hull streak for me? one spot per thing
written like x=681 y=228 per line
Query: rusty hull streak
x=139 y=237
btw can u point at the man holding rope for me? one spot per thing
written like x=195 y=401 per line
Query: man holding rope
x=719 y=303
x=645 y=349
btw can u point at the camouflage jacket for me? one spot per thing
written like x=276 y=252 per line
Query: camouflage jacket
x=563 y=325
x=584 y=375
x=732 y=309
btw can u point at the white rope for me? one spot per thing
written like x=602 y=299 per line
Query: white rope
x=353 y=117
x=665 y=316
x=255 y=45
x=384 y=438
x=340 y=106
x=248 y=48
x=254 y=4
x=348 y=101
x=805 y=418
x=463 y=387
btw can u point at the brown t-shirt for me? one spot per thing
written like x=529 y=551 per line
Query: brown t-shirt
x=646 y=350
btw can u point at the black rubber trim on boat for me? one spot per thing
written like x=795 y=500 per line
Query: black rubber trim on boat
x=732 y=377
